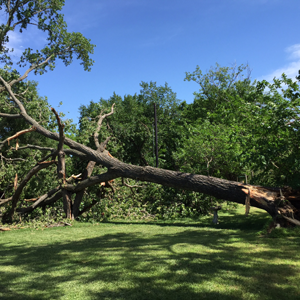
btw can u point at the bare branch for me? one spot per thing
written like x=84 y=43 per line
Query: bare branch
x=11 y=159
x=99 y=124
x=15 y=116
x=130 y=186
x=28 y=146
x=294 y=221
x=8 y=5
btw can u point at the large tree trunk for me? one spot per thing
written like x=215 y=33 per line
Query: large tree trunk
x=282 y=204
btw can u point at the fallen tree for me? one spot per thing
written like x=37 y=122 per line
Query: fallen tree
x=283 y=204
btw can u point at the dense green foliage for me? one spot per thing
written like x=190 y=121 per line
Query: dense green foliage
x=45 y=16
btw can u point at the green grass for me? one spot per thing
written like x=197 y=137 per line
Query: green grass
x=167 y=260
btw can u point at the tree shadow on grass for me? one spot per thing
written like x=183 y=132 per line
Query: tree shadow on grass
x=182 y=264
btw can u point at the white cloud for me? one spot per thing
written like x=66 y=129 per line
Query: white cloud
x=16 y=42
x=20 y=41
x=291 y=69
x=294 y=51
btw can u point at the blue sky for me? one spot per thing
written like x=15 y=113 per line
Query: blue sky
x=143 y=40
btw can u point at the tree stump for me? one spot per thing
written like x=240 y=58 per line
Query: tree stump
x=215 y=210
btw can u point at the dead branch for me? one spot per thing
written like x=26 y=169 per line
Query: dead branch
x=99 y=124
x=104 y=143
x=102 y=158
x=293 y=221
x=20 y=133
x=52 y=199
x=90 y=167
x=100 y=194
x=36 y=147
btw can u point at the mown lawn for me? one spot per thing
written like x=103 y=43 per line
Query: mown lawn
x=183 y=260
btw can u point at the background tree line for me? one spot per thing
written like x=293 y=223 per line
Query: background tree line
x=236 y=129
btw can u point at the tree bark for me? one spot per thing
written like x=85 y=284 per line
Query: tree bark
x=79 y=195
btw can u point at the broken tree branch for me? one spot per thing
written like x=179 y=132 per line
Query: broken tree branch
x=7 y=217
x=39 y=201
x=20 y=133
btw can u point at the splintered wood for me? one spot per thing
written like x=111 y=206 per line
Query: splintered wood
x=16 y=182
x=260 y=194
x=20 y=133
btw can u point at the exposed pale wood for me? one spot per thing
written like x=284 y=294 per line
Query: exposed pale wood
x=294 y=221
x=4 y=229
x=16 y=182
x=20 y=133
